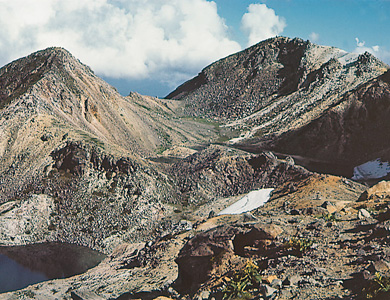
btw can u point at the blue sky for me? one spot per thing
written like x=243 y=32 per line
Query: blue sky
x=336 y=22
x=151 y=46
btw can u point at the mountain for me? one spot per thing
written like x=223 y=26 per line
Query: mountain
x=73 y=151
x=297 y=98
x=146 y=180
x=353 y=131
x=70 y=143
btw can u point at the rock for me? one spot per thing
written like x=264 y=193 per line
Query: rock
x=46 y=136
x=204 y=295
x=292 y=280
x=258 y=236
x=270 y=278
x=173 y=292
x=329 y=206
x=295 y=212
x=380 y=266
x=363 y=214
x=7 y=206
x=267 y=231
x=194 y=259
x=379 y=191
x=277 y=283
x=267 y=290
x=183 y=225
x=249 y=217
x=290 y=161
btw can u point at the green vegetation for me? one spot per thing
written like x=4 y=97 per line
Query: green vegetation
x=243 y=282
x=378 y=287
x=330 y=217
x=86 y=137
x=298 y=246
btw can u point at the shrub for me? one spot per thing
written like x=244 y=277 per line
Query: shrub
x=298 y=246
x=243 y=282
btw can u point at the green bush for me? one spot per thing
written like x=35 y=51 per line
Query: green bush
x=243 y=282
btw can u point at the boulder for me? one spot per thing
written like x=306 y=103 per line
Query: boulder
x=196 y=258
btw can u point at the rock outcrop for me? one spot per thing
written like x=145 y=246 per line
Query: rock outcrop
x=219 y=171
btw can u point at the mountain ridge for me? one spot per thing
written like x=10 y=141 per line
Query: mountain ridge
x=143 y=180
x=276 y=87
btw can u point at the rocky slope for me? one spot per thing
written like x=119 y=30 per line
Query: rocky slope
x=74 y=150
x=324 y=237
x=143 y=179
x=295 y=97
x=351 y=132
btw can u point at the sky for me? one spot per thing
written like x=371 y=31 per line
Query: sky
x=152 y=46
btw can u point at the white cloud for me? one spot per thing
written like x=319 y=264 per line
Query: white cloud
x=314 y=37
x=359 y=43
x=166 y=40
x=379 y=52
x=261 y=22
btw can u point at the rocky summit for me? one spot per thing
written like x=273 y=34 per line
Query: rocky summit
x=264 y=177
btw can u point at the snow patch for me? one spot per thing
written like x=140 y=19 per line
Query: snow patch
x=373 y=169
x=249 y=202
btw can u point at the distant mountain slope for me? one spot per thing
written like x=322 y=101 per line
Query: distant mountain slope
x=275 y=85
x=353 y=131
x=295 y=97
x=53 y=82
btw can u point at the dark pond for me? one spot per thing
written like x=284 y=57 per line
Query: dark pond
x=21 y=266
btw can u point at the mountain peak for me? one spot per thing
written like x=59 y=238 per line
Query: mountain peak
x=249 y=81
x=18 y=76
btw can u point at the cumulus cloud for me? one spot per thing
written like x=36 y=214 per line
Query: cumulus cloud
x=166 y=40
x=378 y=51
x=314 y=36
x=261 y=22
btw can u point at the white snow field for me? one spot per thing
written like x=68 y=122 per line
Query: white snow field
x=249 y=202
x=373 y=169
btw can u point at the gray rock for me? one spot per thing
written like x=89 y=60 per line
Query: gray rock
x=379 y=266
x=363 y=214
x=292 y=280
x=277 y=283
x=267 y=290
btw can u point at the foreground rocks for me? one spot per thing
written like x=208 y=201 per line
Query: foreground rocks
x=300 y=252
